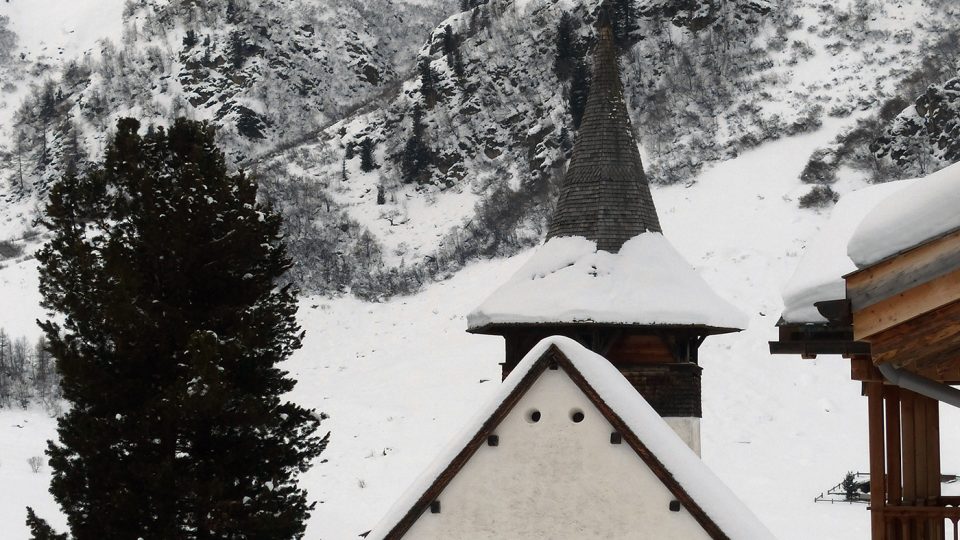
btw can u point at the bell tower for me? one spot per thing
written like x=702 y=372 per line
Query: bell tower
x=606 y=277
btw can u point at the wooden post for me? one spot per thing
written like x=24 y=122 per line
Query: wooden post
x=932 y=432
x=933 y=450
x=920 y=442
x=894 y=478
x=909 y=447
x=877 y=495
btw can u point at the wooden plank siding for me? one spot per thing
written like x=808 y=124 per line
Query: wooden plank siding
x=640 y=349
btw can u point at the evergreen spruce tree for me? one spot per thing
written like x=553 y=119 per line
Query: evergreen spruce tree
x=624 y=22
x=451 y=48
x=167 y=273
x=569 y=48
x=579 y=91
x=367 y=160
x=417 y=156
x=428 y=82
x=40 y=530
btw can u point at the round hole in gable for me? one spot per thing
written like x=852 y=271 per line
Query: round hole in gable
x=576 y=415
x=533 y=416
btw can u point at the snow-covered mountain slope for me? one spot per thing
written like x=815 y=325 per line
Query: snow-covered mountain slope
x=305 y=90
x=465 y=159
x=398 y=378
x=267 y=73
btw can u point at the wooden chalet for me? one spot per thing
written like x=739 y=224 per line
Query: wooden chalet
x=605 y=198
x=899 y=326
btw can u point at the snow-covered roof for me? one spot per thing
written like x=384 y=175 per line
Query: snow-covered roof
x=927 y=209
x=819 y=274
x=707 y=492
x=568 y=280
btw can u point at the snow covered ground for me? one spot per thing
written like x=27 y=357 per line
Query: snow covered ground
x=399 y=378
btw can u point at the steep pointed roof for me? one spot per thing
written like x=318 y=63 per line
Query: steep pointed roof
x=605 y=196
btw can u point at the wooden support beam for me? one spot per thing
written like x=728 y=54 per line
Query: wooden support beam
x=933 y=450
x=920 y=445
x=935 y=531
x=894 y=476
x=908 y=446
x=862 y=369
x=877 y=495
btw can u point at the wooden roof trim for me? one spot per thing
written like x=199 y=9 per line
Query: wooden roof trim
x=554 y=354
x=497 y=328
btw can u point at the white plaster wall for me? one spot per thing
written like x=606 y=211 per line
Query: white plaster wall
x=688 y=429
x=555 y=479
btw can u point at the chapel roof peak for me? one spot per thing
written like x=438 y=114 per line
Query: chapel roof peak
x=605 y=195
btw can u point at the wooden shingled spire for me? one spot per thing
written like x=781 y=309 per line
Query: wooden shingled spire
x=605 y=196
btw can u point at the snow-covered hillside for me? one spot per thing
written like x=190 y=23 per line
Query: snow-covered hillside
x=268 y=74
x=397 y=378
x=303 y=91
x=466 y=157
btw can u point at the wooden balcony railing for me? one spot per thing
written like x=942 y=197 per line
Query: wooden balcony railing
x=937 y=521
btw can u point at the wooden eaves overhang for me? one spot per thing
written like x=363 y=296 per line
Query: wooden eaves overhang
x=811 y=339
x=907 y=307
x=553 y=358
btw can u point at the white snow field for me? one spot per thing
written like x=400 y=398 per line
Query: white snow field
x=399 y=379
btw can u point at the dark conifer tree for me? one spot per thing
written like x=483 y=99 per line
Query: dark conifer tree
x=578 y=91
x=367 y=160
x=40 y=530
x=417 y=156
x=238 y=49
x=428 y=82
x=451 y=48
x=624 y=21
x=190 y=39
x=449 y=40
x=168 y=275
x=569 y=48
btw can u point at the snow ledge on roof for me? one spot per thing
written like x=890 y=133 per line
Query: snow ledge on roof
x=924 y=211
x=703 y=486
x=568 y=280
x=819 y=274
